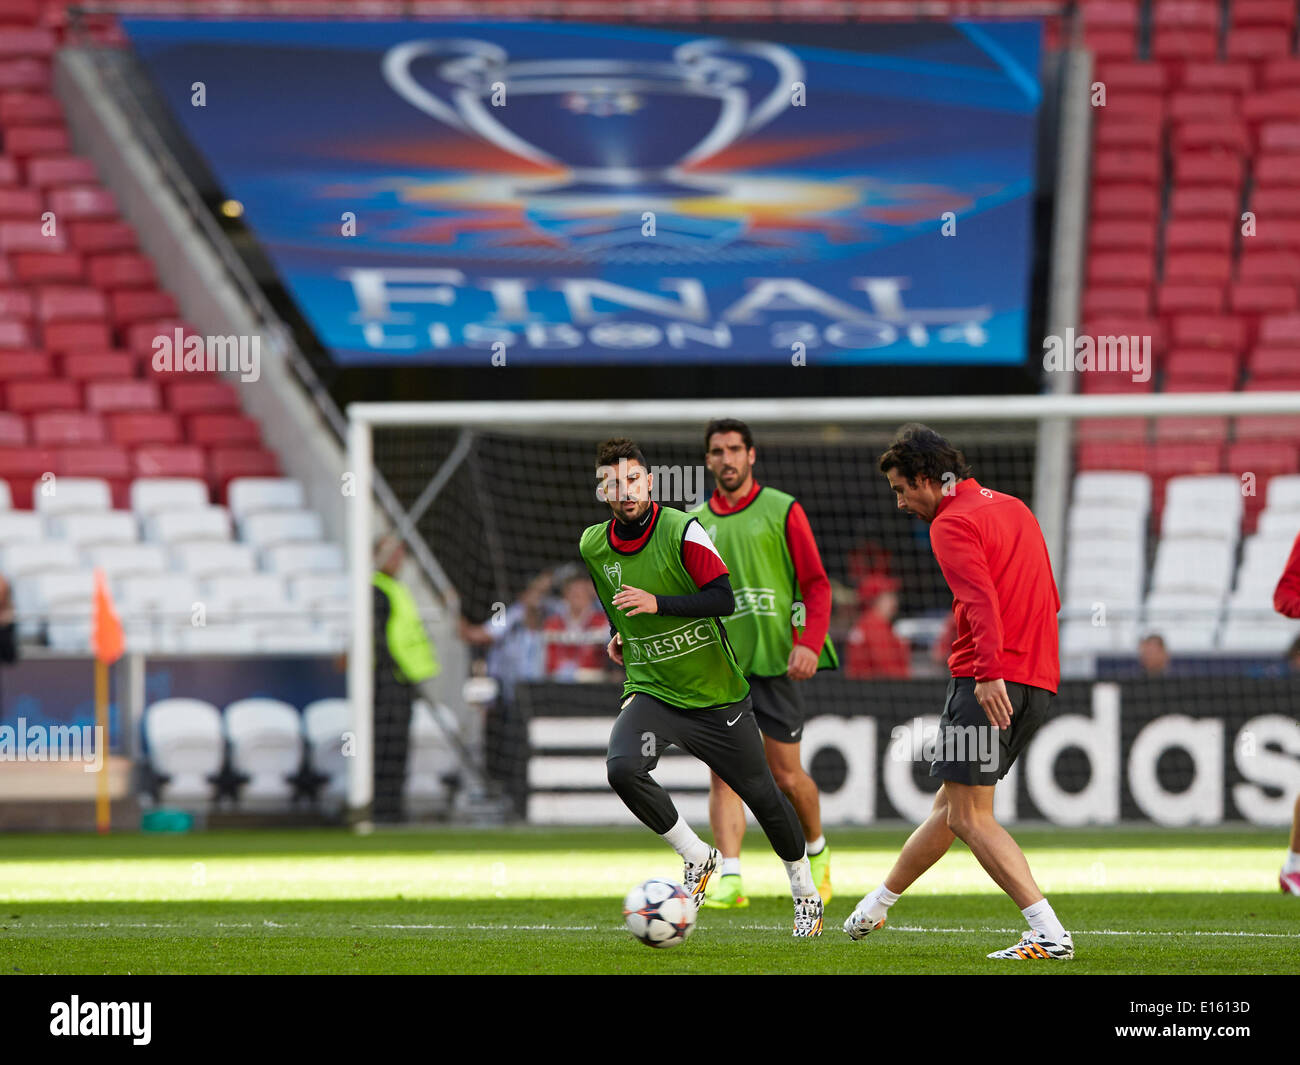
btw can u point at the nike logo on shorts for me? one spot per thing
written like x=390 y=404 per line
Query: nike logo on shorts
x=735 y=719
x=796 y=732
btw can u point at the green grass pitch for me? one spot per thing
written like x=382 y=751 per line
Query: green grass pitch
x=548 y=901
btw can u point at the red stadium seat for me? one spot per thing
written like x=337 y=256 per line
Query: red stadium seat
x=65 y=337
x=140 y=336
x=1127 y=132
x=1279 y=137
x=108 y=461
x=8 y=171
x=1108 y=302
x=1223 y=169
x=1212 y=370
x=67 y=427
x=1184 y=14
x=1120 y=268
x=1129 y=77
x=1200 y=235
x=56 y=171
x=23 y=466
x=69 y=303
x=1253 y=42
x=1112 y=456
x=1180 y=297
x=1256 y=427
x=34 y=397
x=1204 y=267
x=1235 y=78
x=23 y=142
x=1264 y=265
x=1134 y=106
x=1113 y=14
x=16 y=236
x=1191 y=430
x=224 y=430
x=1279 y=331
x=29 y=109
x=1280 y=73
x=1208 y=331
x=1247 y=297
x=1276 y=169
x=25 y=74
x=1110 y=430
x=1206 y=201
x=1197 y=106
x=1207 y=136
x=1288 y=383
x=27 y=42
x=102 y=365
x=229 y=463
x=125 y=395
x=96 y=236
x=1113 y=382
x=202 y=396
x=1183 y=45
x=1126 y=164
x=16 y=304
x=1272 y=106
x=135 y=305
x=1125 y=201
x=20 y=203
x=1274 y=362
x=1123 y=234
x=16 y=334
x=35 y=268
x=82 y=201
x=13 y=430
x=1177 y=460
x=1275 y=201
x=19 y=364
x=159 y=461
x=1277 y=13
x=1108 y=44
x=137 y=428
x=120 y=270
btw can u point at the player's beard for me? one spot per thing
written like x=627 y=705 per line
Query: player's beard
x=729 y=482
x=622 y=517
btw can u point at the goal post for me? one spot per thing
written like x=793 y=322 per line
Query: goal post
x=500 y=490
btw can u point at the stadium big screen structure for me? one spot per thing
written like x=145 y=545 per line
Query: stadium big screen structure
x=648 y=225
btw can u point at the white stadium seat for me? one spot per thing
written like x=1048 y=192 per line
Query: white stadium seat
x=324 y=723
x=20 y=526
x=268 y=528
x=292 y=560
x=65 y=494
x=6 y=496
x=430 y=756
x=249 y=595
x=1081 y=637
x=247 y=495
x=295 y=638
x=1218 y=491
x=1188 y=565
x=1131 y=490
x=1279 y=524
x=196 y=523
x=266 y=743
x=1188 y=621
x=152 y=494
x=126 y=560
x=185 y=744
x=316 y=588
x=236 y=638
x=1099 y=520
x=1283 y=493
x=213 y=559
x=1208 y=522
x=88 y=529
x=25 y=559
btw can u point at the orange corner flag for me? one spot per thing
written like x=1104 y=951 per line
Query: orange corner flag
x=106 y=636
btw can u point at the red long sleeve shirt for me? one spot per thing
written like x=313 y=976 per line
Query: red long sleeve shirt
x=1005 y=601
x=1286 y=599
x=814 y=585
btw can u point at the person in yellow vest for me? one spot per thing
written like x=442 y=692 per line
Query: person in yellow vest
x=404 y=656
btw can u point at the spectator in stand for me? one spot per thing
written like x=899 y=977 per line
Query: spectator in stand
x=1153 y=656
x=576 y=635
x=516 y=653
x=1293 y=657
x=1286 y=600
x=875 y=650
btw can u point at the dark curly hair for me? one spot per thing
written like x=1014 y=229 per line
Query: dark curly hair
x=620 y=447
x=918 y=451
x=728 y=425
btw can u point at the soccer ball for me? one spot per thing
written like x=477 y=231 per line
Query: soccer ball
x=659 y=913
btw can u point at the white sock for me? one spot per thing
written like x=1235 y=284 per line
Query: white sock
x=816 y=846
x=682 y=838
x=1292 y=863
x=731 y=867
x=880 y=900
x=1042 y=919
x=801 y=881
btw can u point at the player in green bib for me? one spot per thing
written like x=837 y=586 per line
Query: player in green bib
x=665 y=589
x=783 y=612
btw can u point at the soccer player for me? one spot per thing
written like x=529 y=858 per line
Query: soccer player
x=665 y=589
x=1005 y=669
x=764 y=537
x=1286 y=600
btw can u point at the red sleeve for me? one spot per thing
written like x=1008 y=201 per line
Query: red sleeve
x=814 y=585
x=700 y=557
x=1286 y=599
x=960 y=555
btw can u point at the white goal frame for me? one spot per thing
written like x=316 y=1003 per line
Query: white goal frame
x=1052 y=414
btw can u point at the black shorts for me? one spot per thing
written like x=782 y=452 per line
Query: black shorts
x=969 y=750
x=778 y=707
x=724 y=738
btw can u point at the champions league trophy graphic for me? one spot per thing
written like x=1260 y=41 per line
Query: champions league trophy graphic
x=621 y=127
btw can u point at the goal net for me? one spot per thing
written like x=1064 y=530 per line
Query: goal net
x=1178 y=700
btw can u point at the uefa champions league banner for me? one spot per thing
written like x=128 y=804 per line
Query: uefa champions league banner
x=470 y=192
x=1171 y=751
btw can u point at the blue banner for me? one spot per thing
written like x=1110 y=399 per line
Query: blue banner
x=480 y=193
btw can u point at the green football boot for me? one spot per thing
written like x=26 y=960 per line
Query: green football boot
x=730 y=894
x=821 y=872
